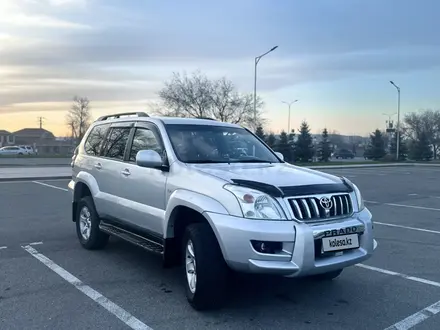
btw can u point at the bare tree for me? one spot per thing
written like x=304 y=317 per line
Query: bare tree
x=199 y=97
x=79 y=117
x=188 y=96
x=427 y=123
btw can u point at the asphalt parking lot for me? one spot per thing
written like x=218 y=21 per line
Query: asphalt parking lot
x=47 y=281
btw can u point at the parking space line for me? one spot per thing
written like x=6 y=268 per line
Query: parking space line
x=110 y=306
x=403 y=205
x=406 y=227
x=406 y=277
x=416 y=318
x=3 y=247
x=50 y=186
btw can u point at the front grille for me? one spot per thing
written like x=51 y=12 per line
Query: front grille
x=310 y=209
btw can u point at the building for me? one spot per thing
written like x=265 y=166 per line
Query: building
x=6 y=138
x=43 y=141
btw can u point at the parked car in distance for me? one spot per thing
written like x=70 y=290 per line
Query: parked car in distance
x=343 y=153
x=185 y=189
x=12 y=150
x=29 y=150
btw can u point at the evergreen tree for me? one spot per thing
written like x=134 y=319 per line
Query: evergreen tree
x=304 y=145
x=260 y=133
x=324 y=151
x=421 y=148
x=403 y=149
x=271 y=140
x=377 y=147
x=284 y=147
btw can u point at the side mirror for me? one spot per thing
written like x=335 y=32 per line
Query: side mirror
x=148 y=158
x=280 y=155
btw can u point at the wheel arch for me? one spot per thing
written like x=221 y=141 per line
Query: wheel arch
x=85 y=185
x=188 y=201
x=185 y=208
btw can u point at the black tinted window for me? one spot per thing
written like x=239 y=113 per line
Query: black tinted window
x=116 y=142
x=144 y=139
x=95 y=139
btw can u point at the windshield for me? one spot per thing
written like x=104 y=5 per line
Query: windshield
x=217 y=144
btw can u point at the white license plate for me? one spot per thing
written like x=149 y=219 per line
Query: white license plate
x=337 y=243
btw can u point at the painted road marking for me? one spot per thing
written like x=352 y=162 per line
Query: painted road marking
x=110 y=306
x=406 y=227
x=403 y=205
x=416 y=318
x=406 y=277
x=50 y=186
x=3 y=247
x=24 y=180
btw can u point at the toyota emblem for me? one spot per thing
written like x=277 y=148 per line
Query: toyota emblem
x=326 y=203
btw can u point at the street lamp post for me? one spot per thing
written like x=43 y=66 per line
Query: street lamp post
x=288 y=123
x=257 y=59
x=398 y=120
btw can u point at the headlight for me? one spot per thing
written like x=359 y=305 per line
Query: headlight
x=256 y=204
x=357 y=192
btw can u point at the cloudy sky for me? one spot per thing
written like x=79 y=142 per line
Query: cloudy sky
x=335 y=56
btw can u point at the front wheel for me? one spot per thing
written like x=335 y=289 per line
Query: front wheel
x=205 y=270
x=87 y=225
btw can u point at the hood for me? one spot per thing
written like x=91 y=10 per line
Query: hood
x=279 y=175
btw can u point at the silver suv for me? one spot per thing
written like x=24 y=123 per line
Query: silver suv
x=213 y=198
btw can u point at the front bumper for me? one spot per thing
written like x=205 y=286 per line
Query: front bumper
x=301 y=249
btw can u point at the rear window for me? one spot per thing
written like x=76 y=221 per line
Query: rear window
x=94 y=140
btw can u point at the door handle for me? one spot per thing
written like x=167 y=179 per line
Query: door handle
x=98 y=166
x=126 y=172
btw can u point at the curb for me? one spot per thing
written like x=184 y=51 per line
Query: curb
x=35 y=178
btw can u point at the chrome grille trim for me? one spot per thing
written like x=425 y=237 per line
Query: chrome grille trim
x=309 y=209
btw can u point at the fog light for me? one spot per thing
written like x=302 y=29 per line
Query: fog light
x=267 y=247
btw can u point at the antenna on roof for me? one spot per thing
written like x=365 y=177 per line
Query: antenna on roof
x=40 y=122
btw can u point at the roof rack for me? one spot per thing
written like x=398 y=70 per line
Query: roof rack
x=206 y=118
x=118 y=115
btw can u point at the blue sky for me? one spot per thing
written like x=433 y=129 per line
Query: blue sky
x=335 y=56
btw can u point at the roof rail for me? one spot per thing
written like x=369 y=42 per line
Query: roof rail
x=118 y=115
x=206 y=118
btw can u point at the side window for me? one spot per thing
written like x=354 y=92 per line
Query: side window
x=95 y=139
x=144 y=139
x=116 y=142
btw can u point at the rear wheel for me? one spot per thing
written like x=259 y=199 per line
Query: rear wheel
x=87 y=225
x=205 y=270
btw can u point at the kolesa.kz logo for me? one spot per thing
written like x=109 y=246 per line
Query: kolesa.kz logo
x=340 y=242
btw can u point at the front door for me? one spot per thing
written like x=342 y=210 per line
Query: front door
x=143 y=189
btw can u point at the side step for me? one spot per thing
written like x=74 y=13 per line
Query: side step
x=130 y=237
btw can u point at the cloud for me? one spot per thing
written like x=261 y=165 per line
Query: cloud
x=112 y=51
x=30 y=13
x=69 y=3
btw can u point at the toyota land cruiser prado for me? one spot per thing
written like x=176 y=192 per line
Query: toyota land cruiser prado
x=213 y=198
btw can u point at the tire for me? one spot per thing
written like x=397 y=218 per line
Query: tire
x=95 y=239
x=328 y=276
x=211 y=270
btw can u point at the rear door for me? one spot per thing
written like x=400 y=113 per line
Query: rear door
x=109 y=168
